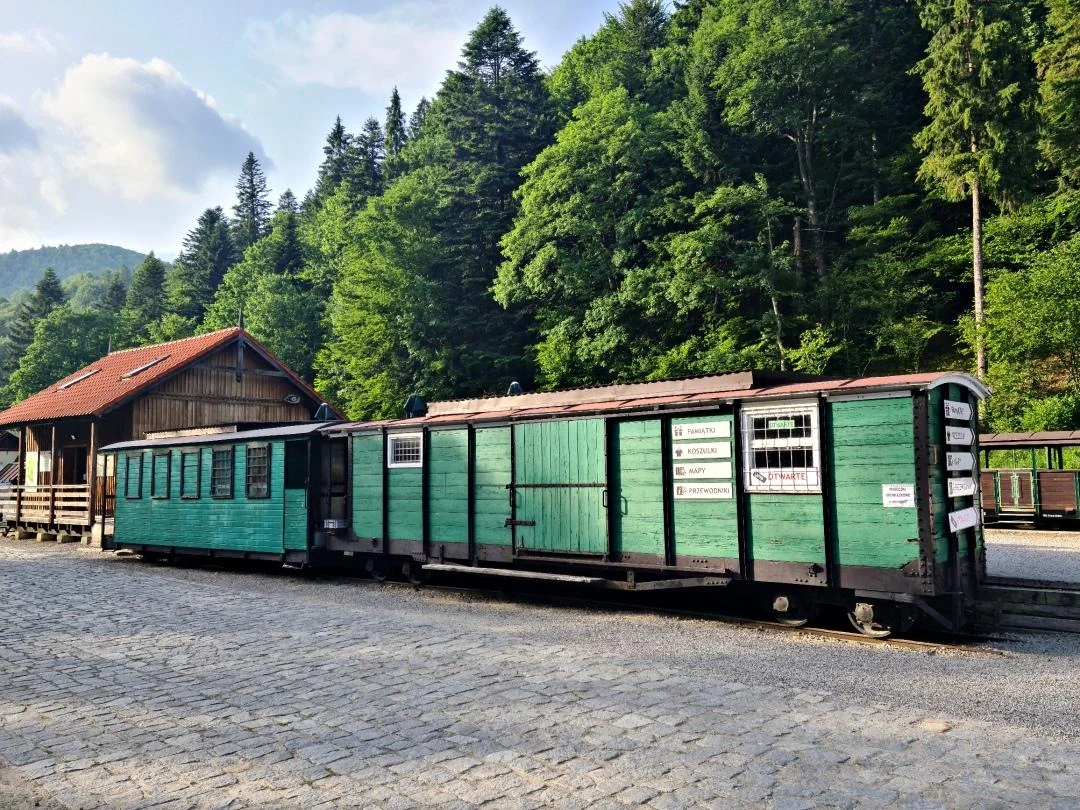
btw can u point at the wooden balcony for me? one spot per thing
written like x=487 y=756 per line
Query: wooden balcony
x=46 y=507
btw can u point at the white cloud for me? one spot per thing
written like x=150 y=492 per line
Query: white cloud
x=139 y=130
x=342 y=50
x=15 y=131
x=34 y=41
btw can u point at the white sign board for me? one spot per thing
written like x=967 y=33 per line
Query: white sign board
x=897 y=496
x=701 y=430
x=964 y=519
x=702 y=469
x=959 y=435
x=957 y=410
x=961 y=487
x=700 y=492
x=959 y=461
x=684 y=451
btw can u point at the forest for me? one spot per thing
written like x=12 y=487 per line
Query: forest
x=837 y=187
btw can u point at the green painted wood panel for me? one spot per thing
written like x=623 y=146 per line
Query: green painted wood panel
x=637 y=488
x=367 y=484
x=870 y=443
x=236 y=524
x=405 y=507
x=492 y=477
x=786 y=528
x=296 y=519
x=707 y=528
x=448 y=486
x=567 y=518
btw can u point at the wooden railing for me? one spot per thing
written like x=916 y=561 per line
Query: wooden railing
x=63 y=504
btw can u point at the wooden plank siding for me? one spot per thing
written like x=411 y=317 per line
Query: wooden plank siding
x=367 y=483
x=637 y=489
x=492 y=478
x=448 y=482
x=709 y=529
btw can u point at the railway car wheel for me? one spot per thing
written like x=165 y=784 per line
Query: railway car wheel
x=792 y=611
x=870 y=620
x=376 y=570
x=413 y=572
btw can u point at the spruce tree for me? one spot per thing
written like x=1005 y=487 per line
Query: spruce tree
x=367 y=152
x=48 y=295
x=1059 y=89
x=287 y=202
x=416 y=120
x=145 y=304
x=395 y=126
x=335 y=165
x=112 y=300
x=978 y=76
x=252 y=209
x=208 y=252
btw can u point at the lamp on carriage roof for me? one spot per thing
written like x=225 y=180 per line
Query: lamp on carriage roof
x=515 y=389
x=415 y=406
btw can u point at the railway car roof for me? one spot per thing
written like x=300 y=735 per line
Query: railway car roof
x=688 y=393
x=281 y=432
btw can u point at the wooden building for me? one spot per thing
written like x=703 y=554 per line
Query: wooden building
x=223 y=379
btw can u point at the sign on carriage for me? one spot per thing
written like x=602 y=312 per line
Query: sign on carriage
x=959 y=435
x=700 y=492
x=685 y=451
x=716 y=469
x=897 y=496
x=701 y=430
x=957 y=410
x=961 y=487
x=964 y=519
x=959 y=461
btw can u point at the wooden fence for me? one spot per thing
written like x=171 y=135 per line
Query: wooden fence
x=63 y=504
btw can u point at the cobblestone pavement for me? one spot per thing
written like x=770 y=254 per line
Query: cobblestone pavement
x=127 y=685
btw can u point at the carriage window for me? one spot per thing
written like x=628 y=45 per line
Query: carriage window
x=221 y=473
x=190 y=474
x=405 y=450
x=258 y=471
x=781 y=449
x=133 y=477
x=159 y=476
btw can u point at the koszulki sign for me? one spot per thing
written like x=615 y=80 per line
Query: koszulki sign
x=685 y=451
x=959 y=435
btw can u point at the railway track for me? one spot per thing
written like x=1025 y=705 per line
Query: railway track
x=1008 y=603
x=615 y=604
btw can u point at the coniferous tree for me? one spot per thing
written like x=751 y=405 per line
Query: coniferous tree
x=1059 y=71
x=48 y=295
x=287 y=202
x=366 y=154
x=252 y=210
x=208 y=252
x=115 y=295
x=145 y=303
x=981 y=101
x=395 y=126
x=416 y=120
x=335 y=165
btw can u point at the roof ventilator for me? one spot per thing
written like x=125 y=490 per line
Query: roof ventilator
x=415 y=406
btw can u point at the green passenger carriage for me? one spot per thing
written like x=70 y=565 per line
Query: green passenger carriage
x=859 y=493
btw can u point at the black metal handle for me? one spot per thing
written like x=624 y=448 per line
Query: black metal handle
x=604 y=499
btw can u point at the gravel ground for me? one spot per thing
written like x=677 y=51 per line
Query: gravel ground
x=1033 y=554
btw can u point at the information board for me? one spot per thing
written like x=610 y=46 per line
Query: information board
x=963 y=519
x=957 y=410
x=701 y=430
x=898 y=496
x=703 y=491
x=961 y=487
x=685 y=451
x=702 y=469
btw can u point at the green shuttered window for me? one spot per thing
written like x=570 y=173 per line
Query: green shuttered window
x=221 y=473
x=190 y=474
x=159 y=476
x=258 y=471
x=133 y=477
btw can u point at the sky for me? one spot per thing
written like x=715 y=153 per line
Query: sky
x=121 y=121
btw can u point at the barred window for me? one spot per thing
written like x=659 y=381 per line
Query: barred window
x=405 y=450
x=133 y=477
x=221 y=473
x=190 y=474
x=159 y=475
x=781 y=448
x=258 y=471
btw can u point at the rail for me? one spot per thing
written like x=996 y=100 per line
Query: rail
x=67 y=504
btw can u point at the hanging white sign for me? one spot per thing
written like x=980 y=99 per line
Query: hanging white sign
x=964 y=519
x=957 y=410
x=959 y=461
x=684 y=451
x=700 y=492
x=959 y=435
x=701 y=469
x=701 y=430
x=961 y=487
x=897 y=496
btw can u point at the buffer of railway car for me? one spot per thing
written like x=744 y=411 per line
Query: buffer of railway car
x=860 y=493
x=1041 y=489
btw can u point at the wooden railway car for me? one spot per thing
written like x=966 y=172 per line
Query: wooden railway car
x=237 y=494
x=860 y=493
x=1043 y=491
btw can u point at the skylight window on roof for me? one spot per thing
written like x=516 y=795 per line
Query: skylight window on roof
x=127 y=375
x=80 y=378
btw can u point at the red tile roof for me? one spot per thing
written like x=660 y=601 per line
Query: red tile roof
x=116 y=378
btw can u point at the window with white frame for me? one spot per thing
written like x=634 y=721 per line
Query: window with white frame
x=405 y=450
x=782 y=448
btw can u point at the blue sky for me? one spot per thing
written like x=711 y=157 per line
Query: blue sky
x=121 y=121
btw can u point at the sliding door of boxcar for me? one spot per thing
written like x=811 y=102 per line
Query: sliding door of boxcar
x=559 y=486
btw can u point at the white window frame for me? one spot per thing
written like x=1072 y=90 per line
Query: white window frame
x=804 y=480
x=391 y=441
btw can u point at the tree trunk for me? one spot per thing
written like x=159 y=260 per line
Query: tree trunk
x=806 y=175
x=796 y=247
x=977 y=277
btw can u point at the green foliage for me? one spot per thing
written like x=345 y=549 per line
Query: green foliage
x=145 y=302
x=195 y=276
x=251 y=214
x=1059 y=102
x=64 y=341
x=21 y=269
x=47 y=296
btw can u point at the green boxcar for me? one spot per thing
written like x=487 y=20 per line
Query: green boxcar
x=230 y=494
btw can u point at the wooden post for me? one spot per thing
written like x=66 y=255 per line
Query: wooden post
x=52 y=477
x=91 y=475
x=20 y=477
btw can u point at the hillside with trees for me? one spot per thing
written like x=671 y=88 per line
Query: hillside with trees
x=21 y=269
x=840 y=187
